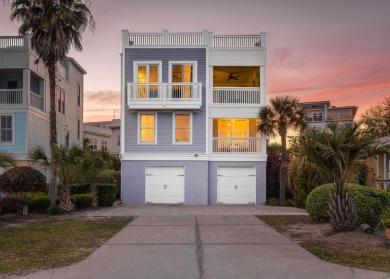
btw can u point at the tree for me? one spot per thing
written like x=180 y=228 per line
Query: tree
x=336 y=154
x=6 y=159
x=55 y=27
x=283 y=113
x=376 y=120
x=91 y=165
x=66 y=162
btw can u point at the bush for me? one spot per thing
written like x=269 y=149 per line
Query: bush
x=82 y=200
x=79 y=188
x=72 y=199
x=111 y=177
x=54 y=210
x=40 y=202
x=370 y=203
x=290 y=203
x=107 y=194
x=12 y=203
x=22 y=179
x=272 y=202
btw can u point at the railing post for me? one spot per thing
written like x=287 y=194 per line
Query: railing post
x=206 y=37
x=165 y=37
x=26 y=41
x=263 y=39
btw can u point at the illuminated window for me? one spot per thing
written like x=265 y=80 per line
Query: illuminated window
x=182 y=126
x=147 y=73
x=182 y=73
x=147 y=128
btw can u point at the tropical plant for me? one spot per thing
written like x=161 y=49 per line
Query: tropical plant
x=91 y=165
x=336 y=154
x=55 y=27
x=6 y=159
x=282 y=114
x=376 y=120
x=66 y=163
x=22 y=179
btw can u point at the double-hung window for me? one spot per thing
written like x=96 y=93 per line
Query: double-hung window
x=6 y=129
x=78 y=95
x=182 y=128
x=61 y=101
x=147 y=128
x=148 y=76
x=93 y=144
x=104 y=145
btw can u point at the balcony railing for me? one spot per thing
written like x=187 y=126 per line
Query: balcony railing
x=236 y=95
x=236 y=41
x=164 y=95
x=236 y=145
x=11 y=41
x=37 y=101
x=11 y=96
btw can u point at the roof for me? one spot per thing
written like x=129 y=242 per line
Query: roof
x=70 y=59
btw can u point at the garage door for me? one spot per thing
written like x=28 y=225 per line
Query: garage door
x=236 y=185
x=164 y=185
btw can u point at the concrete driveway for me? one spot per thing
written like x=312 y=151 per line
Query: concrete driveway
x=202 y=247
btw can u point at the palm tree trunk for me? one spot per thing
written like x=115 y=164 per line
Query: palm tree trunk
x=283 y=170
x=53 y=192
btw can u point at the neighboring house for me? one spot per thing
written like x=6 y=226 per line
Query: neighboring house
x=99 y=135
x=116 y=137
x=190 y=104
x=320 y=113
x=378 y=175
x=25 y=104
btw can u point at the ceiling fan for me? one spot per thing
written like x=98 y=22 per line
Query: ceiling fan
x=232 y=76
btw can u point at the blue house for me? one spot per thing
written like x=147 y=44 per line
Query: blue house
x=190 y=104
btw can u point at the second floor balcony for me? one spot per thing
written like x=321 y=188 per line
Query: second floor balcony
x=164 y=96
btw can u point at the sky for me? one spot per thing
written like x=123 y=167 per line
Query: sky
x=336 y=50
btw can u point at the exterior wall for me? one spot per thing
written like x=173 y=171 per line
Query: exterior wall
x=38 y=131
x=196 y=180
x=19 y=144
x=260 y=179
x=99 y=135
x=164 y=124
x=115 y=138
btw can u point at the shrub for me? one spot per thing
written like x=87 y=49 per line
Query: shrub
x=54 y=210
x=272 y=202
x=290 y=202
x=82 y=200
x=40 y=202
x=79 y=188
x=107 y=194
x=22 y=179
x=72 y=199
x=111 y=177
x=12 y=203
x=370 y=203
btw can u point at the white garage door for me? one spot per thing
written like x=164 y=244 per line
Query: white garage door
x=164 y=185
x=236 y=185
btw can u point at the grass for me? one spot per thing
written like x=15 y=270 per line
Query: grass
x=334 y=250
x=54 y=243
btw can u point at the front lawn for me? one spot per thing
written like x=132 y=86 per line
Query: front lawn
x=54 y=243
x=354 y=248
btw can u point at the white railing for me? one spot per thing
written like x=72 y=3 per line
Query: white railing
x=236 y=95
x=37 y=101
x=236 y=41
x=164 y=94
x=11 y=96
x=8 y=41
x=183 y=39
x=151 y=39
x=236 y=145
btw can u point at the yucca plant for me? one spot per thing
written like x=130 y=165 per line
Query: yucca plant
x=6 y=159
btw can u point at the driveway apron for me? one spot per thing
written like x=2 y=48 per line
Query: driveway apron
x=191 y=246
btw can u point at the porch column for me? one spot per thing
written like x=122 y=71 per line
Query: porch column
x=384 y=171
x=263 y=86
x=26 y=87
x=377 y=171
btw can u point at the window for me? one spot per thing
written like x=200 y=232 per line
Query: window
x=104 y=145
x=147 y=124
x=78 y=128
x=119 y=139
x=93 y=144
x=78 y=95
x=61 y=101
x=182 y=128
x=6 y=129
x=181 y=73
x=67 y=139
x=148 y=73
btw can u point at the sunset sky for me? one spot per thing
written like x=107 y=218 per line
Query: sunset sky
x=337 y=50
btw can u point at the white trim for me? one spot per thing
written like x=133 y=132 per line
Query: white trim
x=207 y=99
x=13 y=129
x=239 y=157
x=139 y=127
x=194 y=70
x=123 y=93
x=174 y=128
x=146 y=63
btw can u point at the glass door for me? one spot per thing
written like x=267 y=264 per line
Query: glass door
x=148 y=75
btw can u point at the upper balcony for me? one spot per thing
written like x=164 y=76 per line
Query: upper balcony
x=164 y=96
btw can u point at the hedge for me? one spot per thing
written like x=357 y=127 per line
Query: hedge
x=82 y=200
x=106 y=192
x=40 y=202
x=369 y=203
x=22 y=179
x=12 y=203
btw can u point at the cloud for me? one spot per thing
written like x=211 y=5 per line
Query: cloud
x=104 y=97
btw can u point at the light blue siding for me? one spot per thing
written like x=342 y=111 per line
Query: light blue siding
x=164 y=124
x=19 y=145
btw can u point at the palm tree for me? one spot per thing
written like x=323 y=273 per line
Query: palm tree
x=6 y=159
x=336 y=154
x=66 y=162
x=282 y=114
x=55 y=27
x=91 y=165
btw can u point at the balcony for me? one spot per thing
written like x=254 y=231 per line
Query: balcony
x=236 y=95
x=164 y=96
x=11 y=96
x=237 y=145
